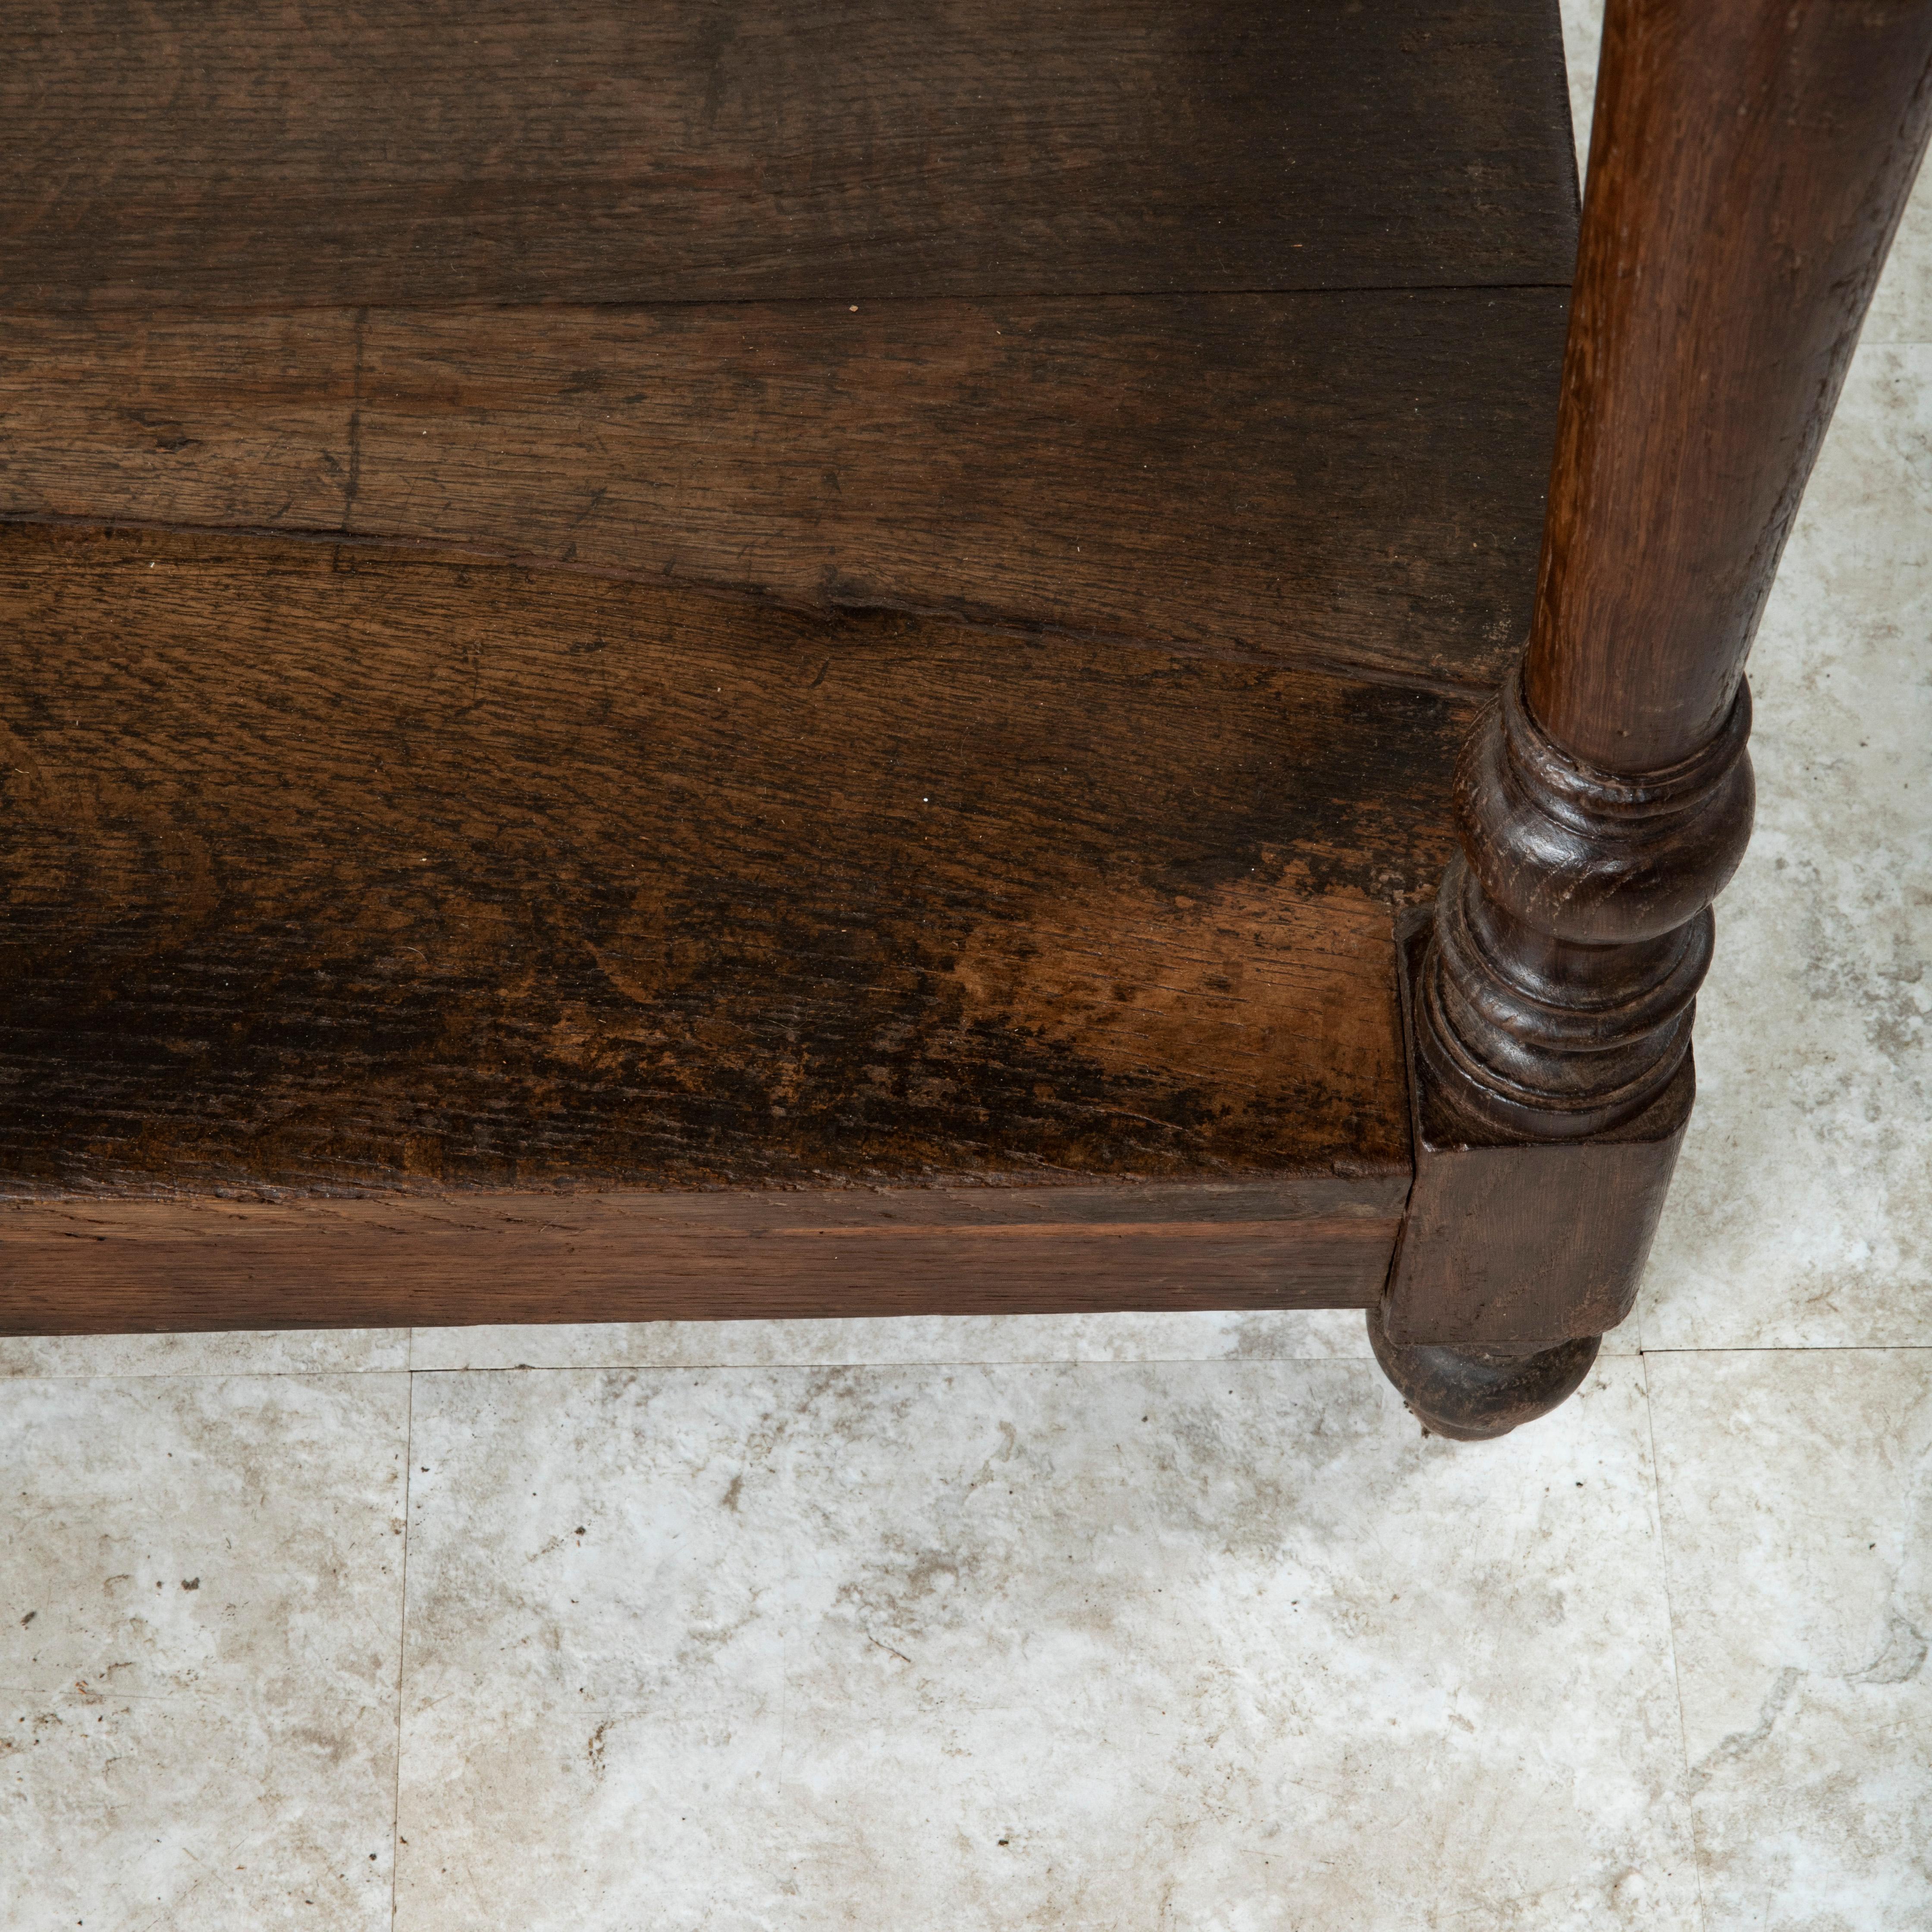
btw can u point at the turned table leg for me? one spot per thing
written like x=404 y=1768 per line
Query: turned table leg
x=1749 y=161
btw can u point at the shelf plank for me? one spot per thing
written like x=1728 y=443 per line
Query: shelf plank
x=329 y=870
x=423 y=152
x=1352 y=479
x=720 y=662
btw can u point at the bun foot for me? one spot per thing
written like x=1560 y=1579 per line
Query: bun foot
x=1471 y=1395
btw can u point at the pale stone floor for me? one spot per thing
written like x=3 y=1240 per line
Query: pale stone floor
x=1138 y=1623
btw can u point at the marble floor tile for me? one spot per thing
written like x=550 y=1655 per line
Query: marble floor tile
x=1796 y=1490
x=277 y=1352
x=1583 y=32
x=1901 y=308
x=200 y=1624
x=1220 y=1644
x=1291 y=1335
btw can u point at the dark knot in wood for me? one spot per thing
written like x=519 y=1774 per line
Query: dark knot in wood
x=1574 y=928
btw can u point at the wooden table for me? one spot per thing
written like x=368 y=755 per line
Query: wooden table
x=726 y=661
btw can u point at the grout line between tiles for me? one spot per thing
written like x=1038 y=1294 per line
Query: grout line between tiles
x=607 y=1364
x=919 y=1362
x=409 y=1367
x=1795 y=1348
x=403 y=1623
x=1670 y=1635
x=237 y=1374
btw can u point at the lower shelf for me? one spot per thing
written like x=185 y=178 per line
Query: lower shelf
x=327 y=871
x=396 y=939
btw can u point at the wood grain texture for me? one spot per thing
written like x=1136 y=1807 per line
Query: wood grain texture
x=1475 y=1395
x=1346 y=478
x=94 y=1267
x=1574 y=927
x=757 y=661
x=210 y=153
x=332 y=870
x=1750 y=161
x=1517 y=1245
x=1726 y=262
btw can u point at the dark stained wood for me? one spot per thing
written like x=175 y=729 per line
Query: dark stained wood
x=1727 y=261
x=328 y=870
x=1516 y=1245
x=95 y=1267
x=1475 y=1395
x=1573 y=930
x=750 y=660
x=1347 y=479
x=1750 y=162
x=208 y=153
